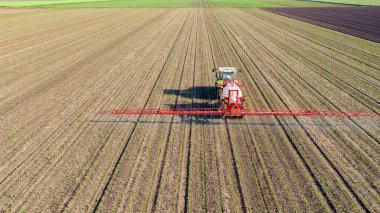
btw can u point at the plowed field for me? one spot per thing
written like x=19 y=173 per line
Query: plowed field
x=58 y=154
x=363 y=22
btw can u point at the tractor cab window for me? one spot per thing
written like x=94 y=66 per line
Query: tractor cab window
x=225 y=74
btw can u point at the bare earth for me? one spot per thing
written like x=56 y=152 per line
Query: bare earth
x=57 y=154
x=363 y=22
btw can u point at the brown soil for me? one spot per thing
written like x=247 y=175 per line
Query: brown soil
x=363 y=22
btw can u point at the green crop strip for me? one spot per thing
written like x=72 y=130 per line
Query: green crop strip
x=158 y=3
x=25 y=4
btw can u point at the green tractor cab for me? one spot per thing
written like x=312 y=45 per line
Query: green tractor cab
x=221 y=75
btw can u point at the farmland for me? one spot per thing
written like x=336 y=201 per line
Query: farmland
x=358 y=21
x=58 y=154
x=352 y=2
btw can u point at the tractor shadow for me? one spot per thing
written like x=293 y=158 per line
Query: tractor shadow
x=196 y=92
x=201 y=96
